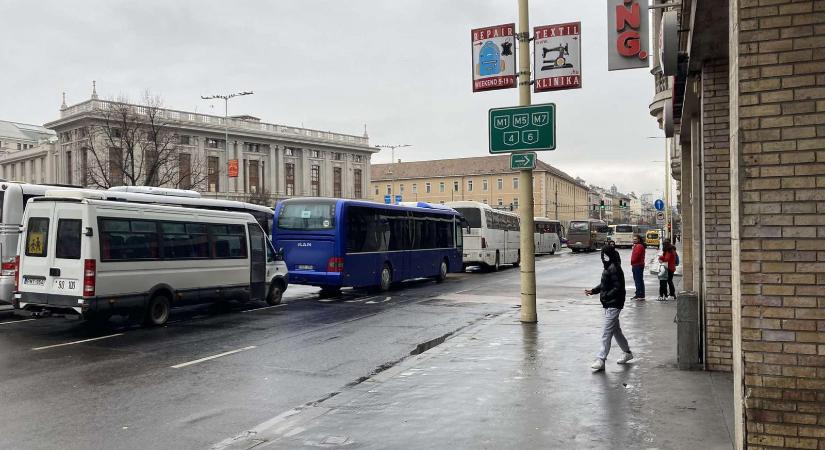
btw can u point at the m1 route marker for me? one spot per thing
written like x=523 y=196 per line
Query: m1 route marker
x=523 y=161
x=522 y=128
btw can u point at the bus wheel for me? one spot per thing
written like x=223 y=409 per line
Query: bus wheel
x=386 y=278
x=330 y=291
x=276 y=293
x=442 y=272
x=553 y=250
x=158 y=311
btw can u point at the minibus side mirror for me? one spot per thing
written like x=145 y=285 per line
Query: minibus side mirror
x=279 y=254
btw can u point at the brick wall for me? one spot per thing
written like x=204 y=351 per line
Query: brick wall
x=781 y=222
x=716 y=217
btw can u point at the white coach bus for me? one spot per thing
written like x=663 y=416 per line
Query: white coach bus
x=13 y=198
x=547 y=236
x=492 y=238
x=83 y=255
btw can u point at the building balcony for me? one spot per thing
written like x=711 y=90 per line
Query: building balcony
x=664 y=92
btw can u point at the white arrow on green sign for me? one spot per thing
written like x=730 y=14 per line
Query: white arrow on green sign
x=523 y=161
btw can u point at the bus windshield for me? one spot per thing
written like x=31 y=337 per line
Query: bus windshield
x=307 y=216
x=579 y=226
x=473 y=216
x=624 y=229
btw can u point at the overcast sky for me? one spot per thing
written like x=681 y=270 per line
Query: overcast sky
x=402 y=67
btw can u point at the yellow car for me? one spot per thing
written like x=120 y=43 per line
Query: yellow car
x=652 y=238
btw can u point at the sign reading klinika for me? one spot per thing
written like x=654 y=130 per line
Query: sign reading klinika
x=494 y=57
x=557 y=57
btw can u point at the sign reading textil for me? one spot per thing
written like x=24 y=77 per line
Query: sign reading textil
x=627 y=34
x=557 y=57
x=494 y=57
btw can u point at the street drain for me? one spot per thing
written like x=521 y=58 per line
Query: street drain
x=424 y=346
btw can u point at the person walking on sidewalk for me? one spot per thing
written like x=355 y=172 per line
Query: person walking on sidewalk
x=668 y=258
x=612 y=295
x=637 y=264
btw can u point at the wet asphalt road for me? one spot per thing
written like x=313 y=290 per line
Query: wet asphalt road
x=212 y=372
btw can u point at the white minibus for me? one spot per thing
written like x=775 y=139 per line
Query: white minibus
x=492 y=238
x=13 y=198
x=547 y=236
x=80 y=254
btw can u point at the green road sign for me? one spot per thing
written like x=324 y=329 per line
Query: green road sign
x=523 y=128
x=523 y=161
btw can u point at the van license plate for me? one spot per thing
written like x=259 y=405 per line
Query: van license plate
x=63 y=284
x=32 y=281
x=306 y=267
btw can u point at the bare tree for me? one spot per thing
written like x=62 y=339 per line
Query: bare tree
x=261 y=197
x=134 y=145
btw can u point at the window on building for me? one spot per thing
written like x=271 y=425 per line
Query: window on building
x=357 y=183
x=428 y=188
x=184 y=171
x=69 y=169
x=290 y=178
x=254 y=176
x=357 y=158
x=376 y=190
x=484 y=185
x=185 y=140
x=115 y=133
x=315 y=180
x=485 y=201
x=500 y=202
x=500 y=183
x=252 y=147
x=314 y=154
x=336 y=182
x=515 y=182
x=338 y=156
x=19 y=146
x=389 y=189
x=441 y=187
x=455 y=186
x=115 y=166
x=213 y=174
x=515 y=202
x=414 y=188
x=215 y=143
x=401 y=188
x=469 y=185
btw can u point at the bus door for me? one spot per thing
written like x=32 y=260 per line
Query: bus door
x=257 y=263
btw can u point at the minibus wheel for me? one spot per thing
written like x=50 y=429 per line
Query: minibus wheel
x=157 y=312
x=275 y=295
x=442 y=272
x=386 y=278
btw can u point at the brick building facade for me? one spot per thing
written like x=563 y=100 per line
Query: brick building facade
x=750 y=142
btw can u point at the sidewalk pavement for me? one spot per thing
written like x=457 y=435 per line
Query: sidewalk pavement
x=503 y=384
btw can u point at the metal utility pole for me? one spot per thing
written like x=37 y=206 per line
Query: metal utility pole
x=392 y=161
x=667 y=232
x=226 y=98
x=526 y=211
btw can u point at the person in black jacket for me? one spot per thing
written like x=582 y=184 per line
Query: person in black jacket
x=612 y=295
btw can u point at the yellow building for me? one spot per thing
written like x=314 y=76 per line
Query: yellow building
x=486 y=179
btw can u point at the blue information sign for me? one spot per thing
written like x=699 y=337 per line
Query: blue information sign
x=659 y=205
x=388 y=199
x=397 y=199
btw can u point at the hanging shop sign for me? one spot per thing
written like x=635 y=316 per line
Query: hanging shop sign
x=669 y=43
x=494 y=57
x=233 y=168
x=627 y=34
x=557 y=61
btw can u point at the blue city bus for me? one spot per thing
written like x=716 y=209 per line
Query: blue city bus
x=335 y=243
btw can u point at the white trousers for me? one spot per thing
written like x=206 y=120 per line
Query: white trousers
x=612 y=329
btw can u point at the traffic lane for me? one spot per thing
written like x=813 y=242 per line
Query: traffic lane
x=127 y=373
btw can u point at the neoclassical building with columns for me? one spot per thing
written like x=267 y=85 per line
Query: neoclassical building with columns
x=272 y=161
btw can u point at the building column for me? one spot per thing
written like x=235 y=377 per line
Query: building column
x=279 y=182
x=686 y=211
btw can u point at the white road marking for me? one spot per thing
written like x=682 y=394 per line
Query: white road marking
x=382 y=301
x=197 y=361
x=16 y=321
x=265 y=307
x=78 y=342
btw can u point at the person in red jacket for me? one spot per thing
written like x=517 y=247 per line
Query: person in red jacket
x=637 y=264
x=668 y=257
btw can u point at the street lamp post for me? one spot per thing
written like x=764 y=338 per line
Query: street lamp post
x=668 y=213
x=225 y=98
x=392 y=161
